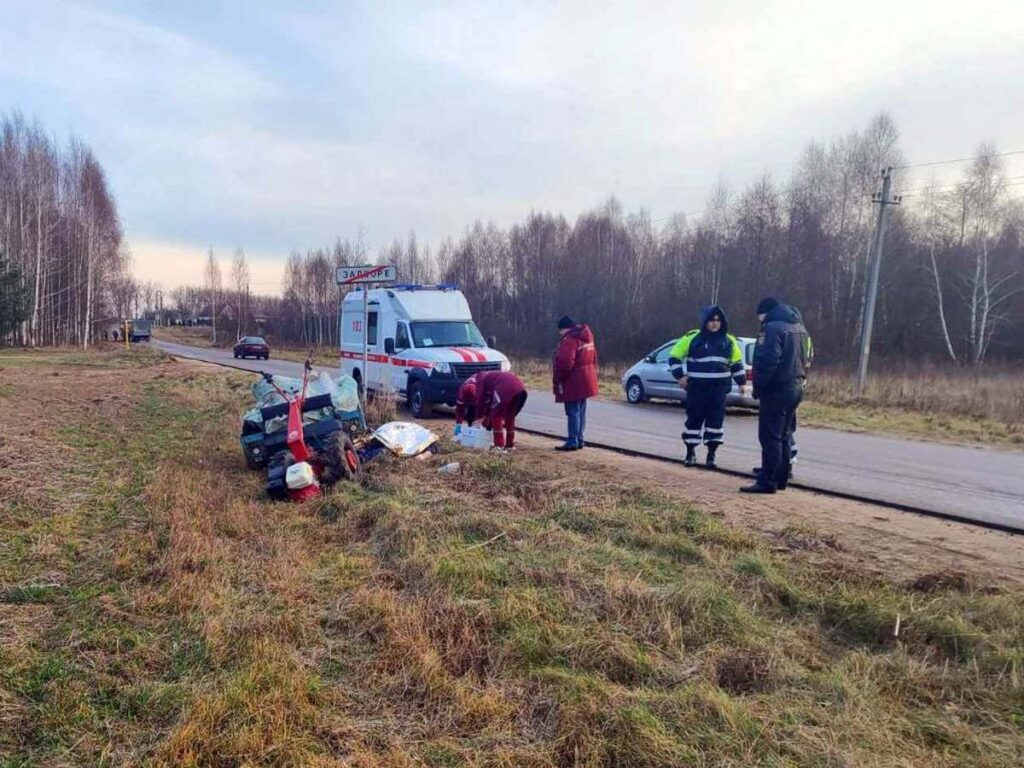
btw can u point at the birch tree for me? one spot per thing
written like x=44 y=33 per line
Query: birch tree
x=240 y=282
x=212 y=282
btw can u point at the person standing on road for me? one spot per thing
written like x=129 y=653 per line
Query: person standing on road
x=496 y=398
x=574 y=377
x=780 y=368
x=705 y=362
x=794 y=451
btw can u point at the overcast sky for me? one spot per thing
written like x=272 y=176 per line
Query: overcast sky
x=276 y=126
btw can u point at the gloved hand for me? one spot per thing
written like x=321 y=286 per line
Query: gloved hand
x=458 y=429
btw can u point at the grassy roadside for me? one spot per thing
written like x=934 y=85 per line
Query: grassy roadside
x=155 y=609
x=901 y=422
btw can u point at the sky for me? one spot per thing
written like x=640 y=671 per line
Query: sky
x=281 y=126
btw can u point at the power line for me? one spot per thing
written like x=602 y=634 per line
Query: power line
x=915 y=192
x=956 y=160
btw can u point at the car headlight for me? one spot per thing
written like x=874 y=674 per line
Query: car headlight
x=506 y=365
x=442 y=367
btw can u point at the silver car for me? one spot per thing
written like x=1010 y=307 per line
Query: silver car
x=651 y=378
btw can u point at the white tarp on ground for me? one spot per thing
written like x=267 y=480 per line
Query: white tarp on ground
x=403 y=438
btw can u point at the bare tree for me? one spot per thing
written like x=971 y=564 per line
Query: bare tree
x=60 y=230
x=212 y=281
x=987 y=290
x=240 y=280
x=935 y=229
x=950 y=282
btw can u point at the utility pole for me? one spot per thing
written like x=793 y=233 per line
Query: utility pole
x=884 y=200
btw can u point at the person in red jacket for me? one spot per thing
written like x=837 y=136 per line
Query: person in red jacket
x=574 y=377
x=496 y=398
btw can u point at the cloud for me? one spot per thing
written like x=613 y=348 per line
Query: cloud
x=284 y=127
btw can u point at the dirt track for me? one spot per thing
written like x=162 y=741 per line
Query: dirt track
x=898 y=545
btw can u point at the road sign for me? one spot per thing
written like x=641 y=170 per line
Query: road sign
x=367 y=273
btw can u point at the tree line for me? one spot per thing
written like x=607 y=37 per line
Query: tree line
x=952 y=269
x=63 y=264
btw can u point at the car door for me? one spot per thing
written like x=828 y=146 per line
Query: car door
x=400 y=373
x=375 y=370
x=658 y=381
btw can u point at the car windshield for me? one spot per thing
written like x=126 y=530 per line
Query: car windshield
x=253 y=340
x=447 y=333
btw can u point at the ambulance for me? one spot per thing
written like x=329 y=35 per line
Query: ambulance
x=422 y=343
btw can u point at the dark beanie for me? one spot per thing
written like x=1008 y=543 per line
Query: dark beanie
x=565 y=322
x=766 y=305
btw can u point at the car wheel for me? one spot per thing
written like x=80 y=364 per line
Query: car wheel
x=420 y=407
x=635 y=390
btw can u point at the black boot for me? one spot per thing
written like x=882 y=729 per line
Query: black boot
x=691 y=456
x=757 y=488
x=709 y=462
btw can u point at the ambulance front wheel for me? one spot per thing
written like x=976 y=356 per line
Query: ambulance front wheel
x=420 y=407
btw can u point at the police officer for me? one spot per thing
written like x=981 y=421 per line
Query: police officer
x=705 y=362
x=780 y=368
x=794 y=451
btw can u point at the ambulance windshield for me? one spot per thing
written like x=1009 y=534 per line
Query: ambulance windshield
x=447 y=333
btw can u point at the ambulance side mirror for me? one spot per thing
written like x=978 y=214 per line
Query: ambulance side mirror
x=389 y=346
x=492 y=342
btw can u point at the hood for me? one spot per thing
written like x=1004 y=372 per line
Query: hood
x=784 y=313
x=582 y=332
x=468 y=389
x=707 y=312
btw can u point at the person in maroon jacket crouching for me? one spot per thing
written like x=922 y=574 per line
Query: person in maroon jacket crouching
x=574 y=377
x=496 y=398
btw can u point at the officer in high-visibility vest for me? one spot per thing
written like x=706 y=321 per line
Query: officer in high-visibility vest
x=705 y=362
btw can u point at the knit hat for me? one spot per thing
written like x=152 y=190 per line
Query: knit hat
x=766 y=305
x=565 y=322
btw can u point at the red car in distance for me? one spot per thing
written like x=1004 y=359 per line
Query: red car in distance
x=252 y=346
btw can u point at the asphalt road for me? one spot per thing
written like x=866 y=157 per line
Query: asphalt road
x=974 y=483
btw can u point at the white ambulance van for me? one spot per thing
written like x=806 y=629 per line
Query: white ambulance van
x=422 y=343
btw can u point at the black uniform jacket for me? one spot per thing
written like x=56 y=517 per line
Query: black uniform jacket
x=781 y=356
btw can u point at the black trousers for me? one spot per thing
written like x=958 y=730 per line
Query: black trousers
x=776 y=420
x=705 y=408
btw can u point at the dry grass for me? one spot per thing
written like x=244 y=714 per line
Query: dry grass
x=944 y=403
x=157 y=610
x=536 y=374
x=382 y=408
